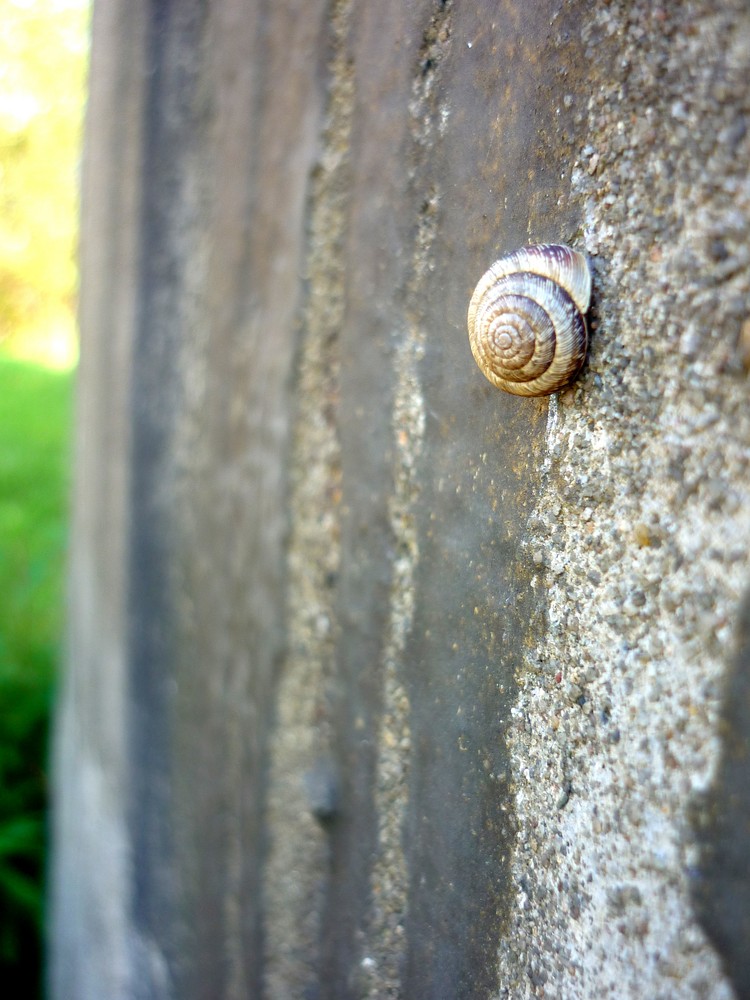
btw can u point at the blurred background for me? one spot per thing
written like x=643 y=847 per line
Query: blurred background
x=43 y=65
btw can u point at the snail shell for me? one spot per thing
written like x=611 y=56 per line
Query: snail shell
x=527 y=319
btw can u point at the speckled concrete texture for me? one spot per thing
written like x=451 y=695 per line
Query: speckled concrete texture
x=398 y=685
x=303 y=775
x=642 y=529
x=721 y=882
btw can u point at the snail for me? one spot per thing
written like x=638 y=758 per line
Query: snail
x=527 y=319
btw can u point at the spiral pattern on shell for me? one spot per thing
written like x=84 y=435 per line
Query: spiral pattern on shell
x=527 y=319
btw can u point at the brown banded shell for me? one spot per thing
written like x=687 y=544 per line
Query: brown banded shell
x=527 y=319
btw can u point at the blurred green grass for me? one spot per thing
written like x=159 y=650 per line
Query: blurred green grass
x=43 y=65
x=35 y=408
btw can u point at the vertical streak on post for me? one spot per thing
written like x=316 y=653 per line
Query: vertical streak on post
x=89 y=882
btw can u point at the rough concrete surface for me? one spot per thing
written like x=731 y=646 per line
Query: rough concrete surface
x=721 y=883
x=642 y=525
x=412 y=688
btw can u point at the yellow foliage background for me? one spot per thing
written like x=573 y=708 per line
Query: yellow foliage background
x=43 y=60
